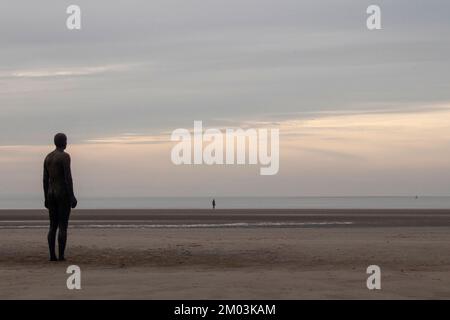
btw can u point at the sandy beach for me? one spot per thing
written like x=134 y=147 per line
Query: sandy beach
x=303 y=261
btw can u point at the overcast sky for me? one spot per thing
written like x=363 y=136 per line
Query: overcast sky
x=309 y=67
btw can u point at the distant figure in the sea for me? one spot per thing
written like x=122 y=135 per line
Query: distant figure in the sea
x=214 y=203
x=59 y=196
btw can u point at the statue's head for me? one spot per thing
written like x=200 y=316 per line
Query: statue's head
x=60 y=141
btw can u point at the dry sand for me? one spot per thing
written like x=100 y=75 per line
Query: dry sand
x=230 y=263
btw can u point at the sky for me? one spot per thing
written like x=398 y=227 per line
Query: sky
x=359 y=112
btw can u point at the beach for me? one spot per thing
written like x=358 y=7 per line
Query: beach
x=230 y=254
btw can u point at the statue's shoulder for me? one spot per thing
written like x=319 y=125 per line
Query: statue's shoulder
x=50 y=155
x=64 y=156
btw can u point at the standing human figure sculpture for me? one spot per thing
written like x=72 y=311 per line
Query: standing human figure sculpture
x=59 y=195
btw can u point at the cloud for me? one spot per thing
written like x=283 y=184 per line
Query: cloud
x=332 y=154
x=130 y=138
x=64 y=72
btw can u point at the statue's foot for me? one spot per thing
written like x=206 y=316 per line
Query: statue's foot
x=53 y=259
x=62 y=259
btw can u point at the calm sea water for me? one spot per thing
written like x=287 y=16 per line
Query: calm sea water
x=244 y=202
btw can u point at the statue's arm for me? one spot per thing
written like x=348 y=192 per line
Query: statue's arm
x=68 y=180
x=45 y=183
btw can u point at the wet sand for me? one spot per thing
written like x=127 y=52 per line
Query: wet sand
x=302 y=217
x=302 y=262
